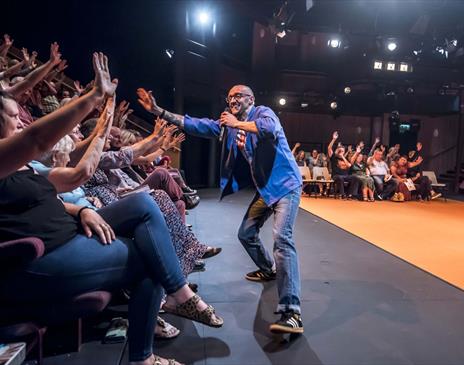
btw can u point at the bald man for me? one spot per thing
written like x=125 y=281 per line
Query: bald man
x=255 y=151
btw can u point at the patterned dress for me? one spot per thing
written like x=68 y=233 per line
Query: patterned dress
x=187 y=246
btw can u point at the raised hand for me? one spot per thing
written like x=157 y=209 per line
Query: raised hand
x=335 y=135
x=377 y=140
x=418 y=146
x=103 y=83
x=7 y=41
x=25 y=54
x=78 y=87
x=358 y=149
x=177 y=140
x=105 y=121
x=160 y=124
x=62 y=66
x=147 y=100
x=55 y=55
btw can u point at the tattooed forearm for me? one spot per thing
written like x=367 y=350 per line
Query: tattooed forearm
x=176 y=119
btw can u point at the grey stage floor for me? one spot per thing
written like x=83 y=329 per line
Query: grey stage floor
x=360 y=304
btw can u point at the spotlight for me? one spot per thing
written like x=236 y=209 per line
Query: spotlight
x=334 y=43
x=333 y=105
x=304 y=105
x=282 y=101
x=169 y=52
x=391 y=46
x=204 y=17
x=410 y=90
x=378 y=65
x=347 y=90
x=391 y=66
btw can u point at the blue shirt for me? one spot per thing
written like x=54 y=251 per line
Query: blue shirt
x=77 y=196
x=266 y=155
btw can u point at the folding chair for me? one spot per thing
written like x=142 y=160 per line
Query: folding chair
x=439 y=187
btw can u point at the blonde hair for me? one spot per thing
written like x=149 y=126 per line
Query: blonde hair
x=64 y=145
x=127 y=137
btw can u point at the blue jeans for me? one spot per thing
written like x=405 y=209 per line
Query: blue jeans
x=285 y=255
x=145 y=262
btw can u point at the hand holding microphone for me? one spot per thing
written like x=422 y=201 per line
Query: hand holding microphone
x=227 y=119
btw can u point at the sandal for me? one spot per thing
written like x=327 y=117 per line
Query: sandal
x=212 y=251
x=170 y=361
x=168 y=331
x=189 y=310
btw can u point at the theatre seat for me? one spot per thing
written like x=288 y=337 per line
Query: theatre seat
x=28 y=322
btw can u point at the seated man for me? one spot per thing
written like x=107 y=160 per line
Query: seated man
x=341 y=169
x=385 y=186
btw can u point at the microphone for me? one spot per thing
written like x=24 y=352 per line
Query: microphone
x=223 y=127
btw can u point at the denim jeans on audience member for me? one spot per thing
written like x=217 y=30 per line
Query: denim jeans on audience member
x=382 y=188
x=285 y=256
x=145 y=264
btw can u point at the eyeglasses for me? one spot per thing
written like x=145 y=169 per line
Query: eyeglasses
x=237 y=96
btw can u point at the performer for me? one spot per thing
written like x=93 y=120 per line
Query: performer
x=255 y=150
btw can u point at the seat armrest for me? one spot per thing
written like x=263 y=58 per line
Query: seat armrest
x=16 y=253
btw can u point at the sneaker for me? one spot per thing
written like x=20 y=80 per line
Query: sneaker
x=289 y=322
x=379 y=197
x=435 y=195
x=189 y=191
x=260 y=275
x=395 y=198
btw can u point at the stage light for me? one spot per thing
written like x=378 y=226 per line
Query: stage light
x=169 y=52
x=391 y=66
x=391 y=46
x=304 y=105
x=410 y=90
x=333 y=105
x=378 y=65
x=204 y=17
x=334 y=43
x=282 y=101
x=404 y=67
x=347 y=90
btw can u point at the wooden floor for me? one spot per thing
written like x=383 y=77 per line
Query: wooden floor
x=429 y=235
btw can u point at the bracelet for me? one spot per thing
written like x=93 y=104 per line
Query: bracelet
x=80 y=211
x=162 y=114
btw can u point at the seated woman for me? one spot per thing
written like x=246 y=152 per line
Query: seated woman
x=75 y=260
x=301 y=158
x=360 y=172
x=400 y=171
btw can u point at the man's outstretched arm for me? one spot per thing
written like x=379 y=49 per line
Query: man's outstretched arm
x=147 y=100
x=203 y=127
